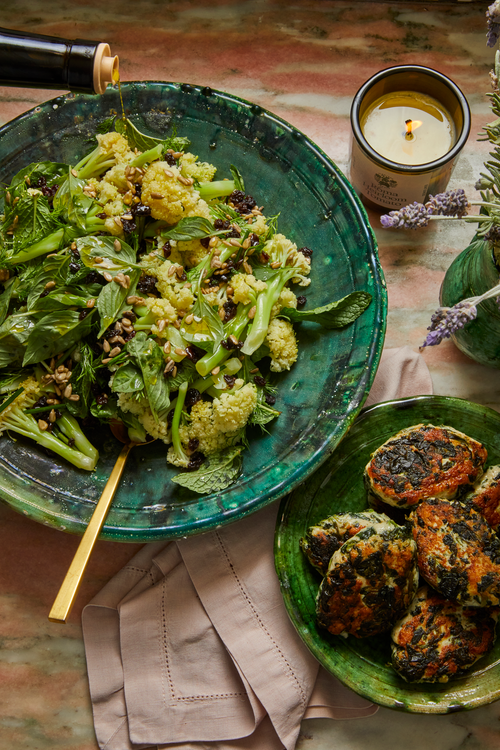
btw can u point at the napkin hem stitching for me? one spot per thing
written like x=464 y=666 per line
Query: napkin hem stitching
x=294 y=680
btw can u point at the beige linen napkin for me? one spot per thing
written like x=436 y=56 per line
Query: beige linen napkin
x=189 y=647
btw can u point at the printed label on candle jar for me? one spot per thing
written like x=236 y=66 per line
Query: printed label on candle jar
x=387 y=189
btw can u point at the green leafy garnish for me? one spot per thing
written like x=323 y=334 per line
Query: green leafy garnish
x=335 y=315
x=219 y=472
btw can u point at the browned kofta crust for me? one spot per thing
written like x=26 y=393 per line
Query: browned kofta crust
x=322 y=540
x=370 y=582
x=424 y=461
x=439 y=639
x=485 y=497
x=458 y=552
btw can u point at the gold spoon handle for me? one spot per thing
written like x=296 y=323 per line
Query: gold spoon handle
x=69 y=588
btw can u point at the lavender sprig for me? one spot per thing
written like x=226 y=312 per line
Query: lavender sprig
x=447 y=320
x=453 y=203
x=493 y=23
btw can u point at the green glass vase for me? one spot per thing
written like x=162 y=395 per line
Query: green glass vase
x=471 y=274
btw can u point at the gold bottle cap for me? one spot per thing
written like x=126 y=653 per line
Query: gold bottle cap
x=105 y=68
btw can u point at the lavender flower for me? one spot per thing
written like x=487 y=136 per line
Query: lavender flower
x=446 y=320
x=451 y=203
x=493 y=23
x=409 y=217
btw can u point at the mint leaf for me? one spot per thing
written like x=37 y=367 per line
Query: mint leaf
x=190 y=228
x=220 y=471
x=335 y=315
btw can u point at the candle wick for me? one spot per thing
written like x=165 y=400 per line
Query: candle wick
x=409 y=135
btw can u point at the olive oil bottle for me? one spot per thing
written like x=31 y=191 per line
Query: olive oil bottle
x=48 y=62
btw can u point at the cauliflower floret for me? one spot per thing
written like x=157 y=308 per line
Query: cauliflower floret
x=243 y=286
x=193 y=252
x=282 y=344
x=176 y=292
x=282 y=249
x=286 y=299
x=216 y=425
x=198 y=170
x=163 y=310
x=112 y=227
x=116 y=176
x=259 y=226
x=117 y=145
x=176 y=201
x=140 y=408
x=105 y=190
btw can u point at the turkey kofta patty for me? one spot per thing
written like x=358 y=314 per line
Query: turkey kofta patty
x=322 y=540
x=370 y=582
x=424 y=461
x=458 y=552
x=439 y=639
x=485 y=497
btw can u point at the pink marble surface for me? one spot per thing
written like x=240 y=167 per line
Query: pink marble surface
x=304 y=61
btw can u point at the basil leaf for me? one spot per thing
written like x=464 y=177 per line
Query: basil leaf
x=5 y=298
x=17 y=328
x=335 y=315
x=52 y=269
x=52 y=171
x=127 y=379
x=191 y=228
x=149 y=356
x=104 y=412
x=113 y=297
x=106 y=126
x=220 y=471
x=61 y=299
x=35 y=220
x=144 y=142
x=238 y=179
x=113 y=262
x=54 y=333
x=72 y=202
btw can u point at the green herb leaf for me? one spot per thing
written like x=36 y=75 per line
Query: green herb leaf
x=71 y=201
x=143 y=142
x=113 y=297
x=191 y=228
x=55 y=333
x=149 y=357
x=127 y=379
x=335 y=315
x=220 y=471
x=106 y=126
x=52 y=269
x=113 y=262
x=5 y=298
x=238 y=179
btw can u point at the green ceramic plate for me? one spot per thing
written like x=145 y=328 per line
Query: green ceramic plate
x=362 y=664
x=323 y=393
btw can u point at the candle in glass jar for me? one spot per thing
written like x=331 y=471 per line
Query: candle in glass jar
x=408 y=127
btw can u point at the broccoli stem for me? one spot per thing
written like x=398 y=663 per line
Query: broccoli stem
x=176 y=438
x=236 y=328
x=264 y=305
x=47 y=245
x=148 y=156
x=70 y=427
x=216 y=189
x=24 y=424
x=95 y=163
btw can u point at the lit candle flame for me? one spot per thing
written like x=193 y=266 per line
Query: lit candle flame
x=411 y=125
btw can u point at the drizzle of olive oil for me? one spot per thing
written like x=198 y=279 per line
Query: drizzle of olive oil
x=116 y=79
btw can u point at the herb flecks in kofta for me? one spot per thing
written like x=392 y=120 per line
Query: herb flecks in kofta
x=458 y=552
x=424 y=461
x=439 y=639
x=370 y=582
x=325 y=538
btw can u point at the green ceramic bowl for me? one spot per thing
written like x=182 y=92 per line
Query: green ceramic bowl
x=362 y=664
x=326 y=388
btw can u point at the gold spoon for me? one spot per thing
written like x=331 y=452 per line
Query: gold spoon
x=69 y=587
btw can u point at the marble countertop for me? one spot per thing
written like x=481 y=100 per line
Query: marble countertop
x=303 y=61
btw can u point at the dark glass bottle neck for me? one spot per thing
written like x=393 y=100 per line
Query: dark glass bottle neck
x=47 y=62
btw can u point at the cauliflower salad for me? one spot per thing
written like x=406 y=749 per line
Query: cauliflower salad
x=137 y=286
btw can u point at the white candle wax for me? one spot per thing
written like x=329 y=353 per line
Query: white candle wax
x=432 y=130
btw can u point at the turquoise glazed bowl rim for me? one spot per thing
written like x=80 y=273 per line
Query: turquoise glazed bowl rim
x=276 y=142
x=362 y=664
